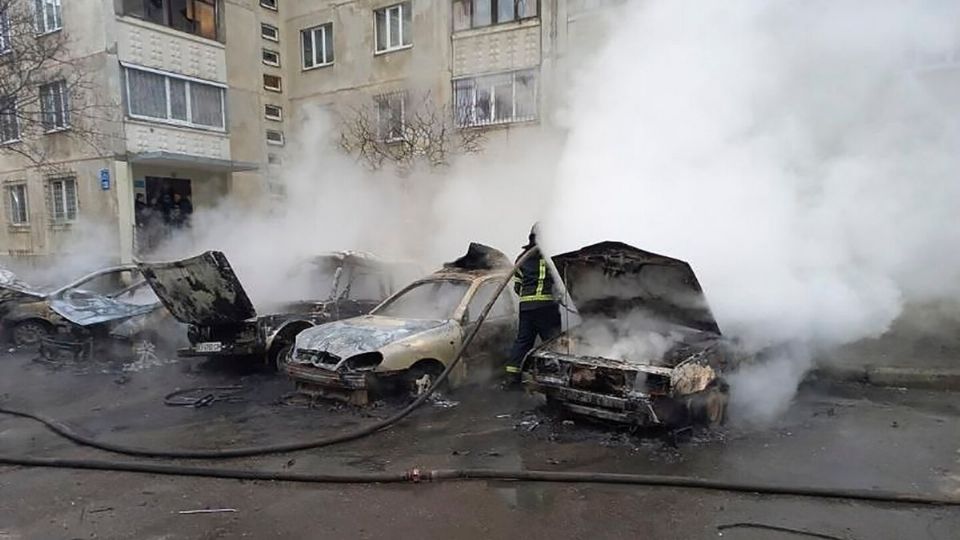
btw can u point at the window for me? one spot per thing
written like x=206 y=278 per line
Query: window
x=9 y=122
x=198 y=17
x=62 y=196
x=4 y=32
x=503 y=307
x=269 y=4
x=156 y=96
x=274 y=159
x=495 y=99
x=478 y=13
x=436 y=300
x=271 y=58
x=393 y=27
x=273 y=112
x=270 y=32
x=55 y=106
x=272 y=82
x=390 y=116
x=16 y=204
x=48 y=15
x=274 y=137
x=317 y=46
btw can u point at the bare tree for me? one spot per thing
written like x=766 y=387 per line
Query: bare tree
x=394 y=131
x=45 y=88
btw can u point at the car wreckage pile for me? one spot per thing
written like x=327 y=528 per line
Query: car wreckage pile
x=640 y=345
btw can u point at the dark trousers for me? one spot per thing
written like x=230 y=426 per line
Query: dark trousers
x=543 y=322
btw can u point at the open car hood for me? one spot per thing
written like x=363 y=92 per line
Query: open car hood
x=201 y=290
x=612 y=278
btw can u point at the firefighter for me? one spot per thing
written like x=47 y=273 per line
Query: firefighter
x=539 y=312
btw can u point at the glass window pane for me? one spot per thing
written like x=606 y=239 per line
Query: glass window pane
x=526 y=96
x=482 y=12
x=205 y=105
x=181 y=15
x=56 y=189
x=394 y=30
x=461 y=14
x=381 y=23
x=405 y=28
x=148 y=94
x=483 y=107
x=503 y=101
x=526 y=8
x=505 y=11
x=153 y=11
x=205 y=19
x=70 y=190
x=178 y=100
x=328 y=43
x=306 y=37
x=133 y=7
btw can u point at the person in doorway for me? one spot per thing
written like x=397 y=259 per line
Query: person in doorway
x=182 y=208
x=140 y=209
x=539 y=311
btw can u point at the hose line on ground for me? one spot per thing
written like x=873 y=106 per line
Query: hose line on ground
x=437 y=475
x=67 y=432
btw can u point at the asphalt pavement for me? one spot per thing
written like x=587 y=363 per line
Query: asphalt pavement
x=833 y=435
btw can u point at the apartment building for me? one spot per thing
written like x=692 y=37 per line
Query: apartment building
x=161 y=69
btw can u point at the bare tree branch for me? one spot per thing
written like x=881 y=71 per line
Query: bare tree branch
x=423 y=134
x=28 y=61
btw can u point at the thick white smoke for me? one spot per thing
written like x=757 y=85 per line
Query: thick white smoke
x=786 y=149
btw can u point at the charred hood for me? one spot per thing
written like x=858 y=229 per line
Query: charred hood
x=201 y=290
x=479 y=257
x=612 y=278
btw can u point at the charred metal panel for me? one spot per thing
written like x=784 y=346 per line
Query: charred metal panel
x=89 y=309
x=343 y=339
x=201 y=290
x=611 y=277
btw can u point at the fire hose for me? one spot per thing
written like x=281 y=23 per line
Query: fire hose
x=413 y=475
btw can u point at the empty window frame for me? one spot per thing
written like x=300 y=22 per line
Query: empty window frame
x=47 y=14
x=62 y=197
x=391 y=116
x=157 y=96
x=269 y=4
x=54 y=106
x=273 y=112
x=317 y=46
x=198 y=17
x=5 y=44
x=495 y=99
x=272 y=83
x=9 y=121
x=269 y=32
x=271 y=58
x=275 y=137
x=392 y=25
x=15 y=203
x=479 y=13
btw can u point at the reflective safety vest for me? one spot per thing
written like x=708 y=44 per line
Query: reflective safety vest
x=532 y=281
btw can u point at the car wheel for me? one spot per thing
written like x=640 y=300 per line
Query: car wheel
x=709 y=406
x=280 y=358
x=420 y=378
x=29 y=333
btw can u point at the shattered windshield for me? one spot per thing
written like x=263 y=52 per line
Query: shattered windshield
x=428 y=300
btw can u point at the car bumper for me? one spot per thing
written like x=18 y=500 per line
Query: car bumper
x=350 y=387
x=635 y=410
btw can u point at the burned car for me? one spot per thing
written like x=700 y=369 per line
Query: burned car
x=205 y=293
x=407 y=341
x=647 y=351
x=84 y=310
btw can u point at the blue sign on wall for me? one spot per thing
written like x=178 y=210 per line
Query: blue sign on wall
x=105 y=179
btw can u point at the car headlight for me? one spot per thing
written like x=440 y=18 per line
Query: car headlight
x=365 y=361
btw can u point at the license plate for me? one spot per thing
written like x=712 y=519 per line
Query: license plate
x=210 y=346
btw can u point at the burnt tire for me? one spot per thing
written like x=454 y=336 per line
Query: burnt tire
x=420 y=378
x=30 y=333
x=279 y=358
x=709 y=406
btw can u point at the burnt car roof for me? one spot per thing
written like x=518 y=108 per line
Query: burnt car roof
x=478 y=260
x=610 y=278
x=201 y=290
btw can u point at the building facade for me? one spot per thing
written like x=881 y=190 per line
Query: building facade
x=205 y=94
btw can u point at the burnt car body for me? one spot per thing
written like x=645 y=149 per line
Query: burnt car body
x=648 y=351
x=204 y=293
x=84 y=310
x=412 y=337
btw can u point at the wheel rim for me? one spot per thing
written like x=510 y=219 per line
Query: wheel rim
x=29 y=333
x=421 y=384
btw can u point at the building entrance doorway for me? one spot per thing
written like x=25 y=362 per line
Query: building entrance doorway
x=162 y=207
